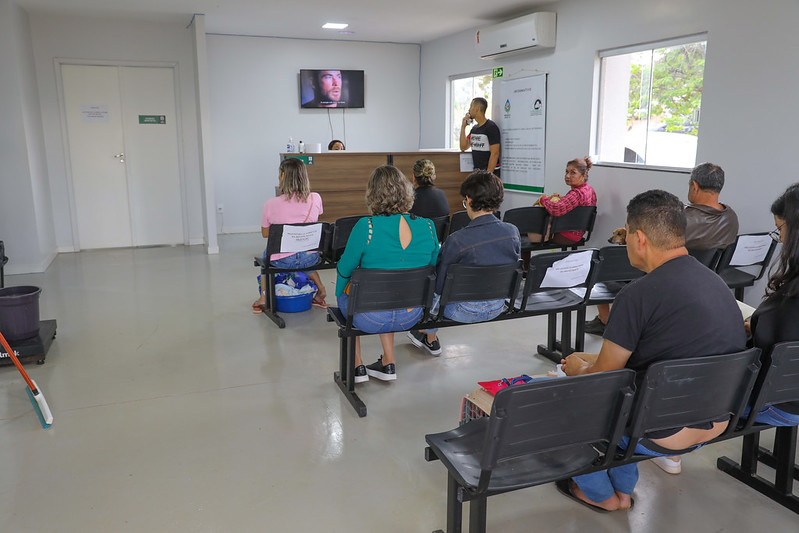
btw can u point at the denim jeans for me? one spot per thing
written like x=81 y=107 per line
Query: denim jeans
x=468 y=312
x=296 y=261
x=382 y=321
x=599 y=486
x=774 y=417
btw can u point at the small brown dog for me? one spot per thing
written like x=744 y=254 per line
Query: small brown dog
x=619 y=236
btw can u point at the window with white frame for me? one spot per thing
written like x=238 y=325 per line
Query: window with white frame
x=650 y=97
x=462 y=91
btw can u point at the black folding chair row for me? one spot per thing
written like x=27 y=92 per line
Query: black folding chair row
x=330 y=247
x=460 y=219
x=554 y=429
x=615 y=272
x=777 y=383
x=537 y=220
x=739 y=273
x=382 y=290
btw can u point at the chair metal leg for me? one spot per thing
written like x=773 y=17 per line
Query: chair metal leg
x=269 y=308
x=769 y=458
x=784 y=452
x=566 y=334
x=749 y=450
x=555 y=349
x=454 y=508
x=579 y=335
x=345 y=376
x=477 y=515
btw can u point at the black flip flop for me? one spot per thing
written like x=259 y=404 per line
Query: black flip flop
x=564 y=486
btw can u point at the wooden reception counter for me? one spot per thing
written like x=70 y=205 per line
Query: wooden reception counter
x=340 y=177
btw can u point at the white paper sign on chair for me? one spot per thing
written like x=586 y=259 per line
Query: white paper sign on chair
x=300 y=238
x=569 y=271
x=750 y=249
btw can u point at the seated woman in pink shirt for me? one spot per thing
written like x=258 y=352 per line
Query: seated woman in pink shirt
x=580 y=194
x=296 y=204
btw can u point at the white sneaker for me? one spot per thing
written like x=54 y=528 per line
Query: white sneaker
x=669 y=464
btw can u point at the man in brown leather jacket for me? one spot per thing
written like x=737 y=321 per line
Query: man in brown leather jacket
x=710 y=224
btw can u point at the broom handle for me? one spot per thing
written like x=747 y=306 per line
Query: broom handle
x=17 y=364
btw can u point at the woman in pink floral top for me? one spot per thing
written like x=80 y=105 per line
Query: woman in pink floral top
x=580 y=194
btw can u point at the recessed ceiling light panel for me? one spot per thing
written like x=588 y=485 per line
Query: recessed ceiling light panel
x=334 y=26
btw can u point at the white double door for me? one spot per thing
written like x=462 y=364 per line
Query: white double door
x=123 y=149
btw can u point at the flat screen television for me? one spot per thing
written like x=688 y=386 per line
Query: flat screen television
x=320 y=88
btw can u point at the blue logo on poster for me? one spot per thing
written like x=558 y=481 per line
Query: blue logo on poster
x=507 y=106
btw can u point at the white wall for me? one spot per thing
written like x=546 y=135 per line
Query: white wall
x=26 y=225
x=100 y=39
x=749 y=111
x=255 y=108
x=34 y=138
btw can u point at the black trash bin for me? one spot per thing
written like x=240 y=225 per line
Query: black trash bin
x=19 y=312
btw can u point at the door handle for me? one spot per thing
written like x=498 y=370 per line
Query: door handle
x=119 y=155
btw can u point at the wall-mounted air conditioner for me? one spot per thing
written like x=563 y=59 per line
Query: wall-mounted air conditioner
x=530 y=32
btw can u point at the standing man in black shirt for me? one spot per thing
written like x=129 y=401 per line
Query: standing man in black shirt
x=483 y=138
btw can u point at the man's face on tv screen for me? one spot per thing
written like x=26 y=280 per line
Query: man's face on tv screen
x=330 y=85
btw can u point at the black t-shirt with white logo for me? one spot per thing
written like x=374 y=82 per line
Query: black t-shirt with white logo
x=481 y=138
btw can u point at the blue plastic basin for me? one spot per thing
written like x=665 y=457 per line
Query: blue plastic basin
x=294 y=304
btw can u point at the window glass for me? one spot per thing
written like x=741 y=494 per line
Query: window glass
x=462 y=91
x=649 y=105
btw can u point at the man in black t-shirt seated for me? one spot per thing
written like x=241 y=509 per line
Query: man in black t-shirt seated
x=483 y=138
x=680 y=308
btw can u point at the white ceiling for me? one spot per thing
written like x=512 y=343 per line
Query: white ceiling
x=404 y=21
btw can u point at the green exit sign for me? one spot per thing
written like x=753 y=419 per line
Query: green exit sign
x=152 y=119
x=499 y=72
x=307 y=159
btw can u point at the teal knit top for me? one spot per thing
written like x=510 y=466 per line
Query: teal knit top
x=374 y=243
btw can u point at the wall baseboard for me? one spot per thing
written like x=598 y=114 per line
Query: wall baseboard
x=12 y=268
x=239 y=229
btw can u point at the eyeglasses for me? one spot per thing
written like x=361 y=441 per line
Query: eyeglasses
x=777 y=233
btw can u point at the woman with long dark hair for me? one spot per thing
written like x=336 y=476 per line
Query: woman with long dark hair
x=777 y=318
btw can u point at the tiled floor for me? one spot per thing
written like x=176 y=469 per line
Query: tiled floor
x=178 y=410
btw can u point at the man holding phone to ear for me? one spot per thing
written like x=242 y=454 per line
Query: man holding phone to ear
x=483 y=138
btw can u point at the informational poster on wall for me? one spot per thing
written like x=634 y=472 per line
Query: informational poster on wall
x=519 y=110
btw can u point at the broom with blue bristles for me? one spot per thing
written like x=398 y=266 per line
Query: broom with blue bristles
x=35 y=395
